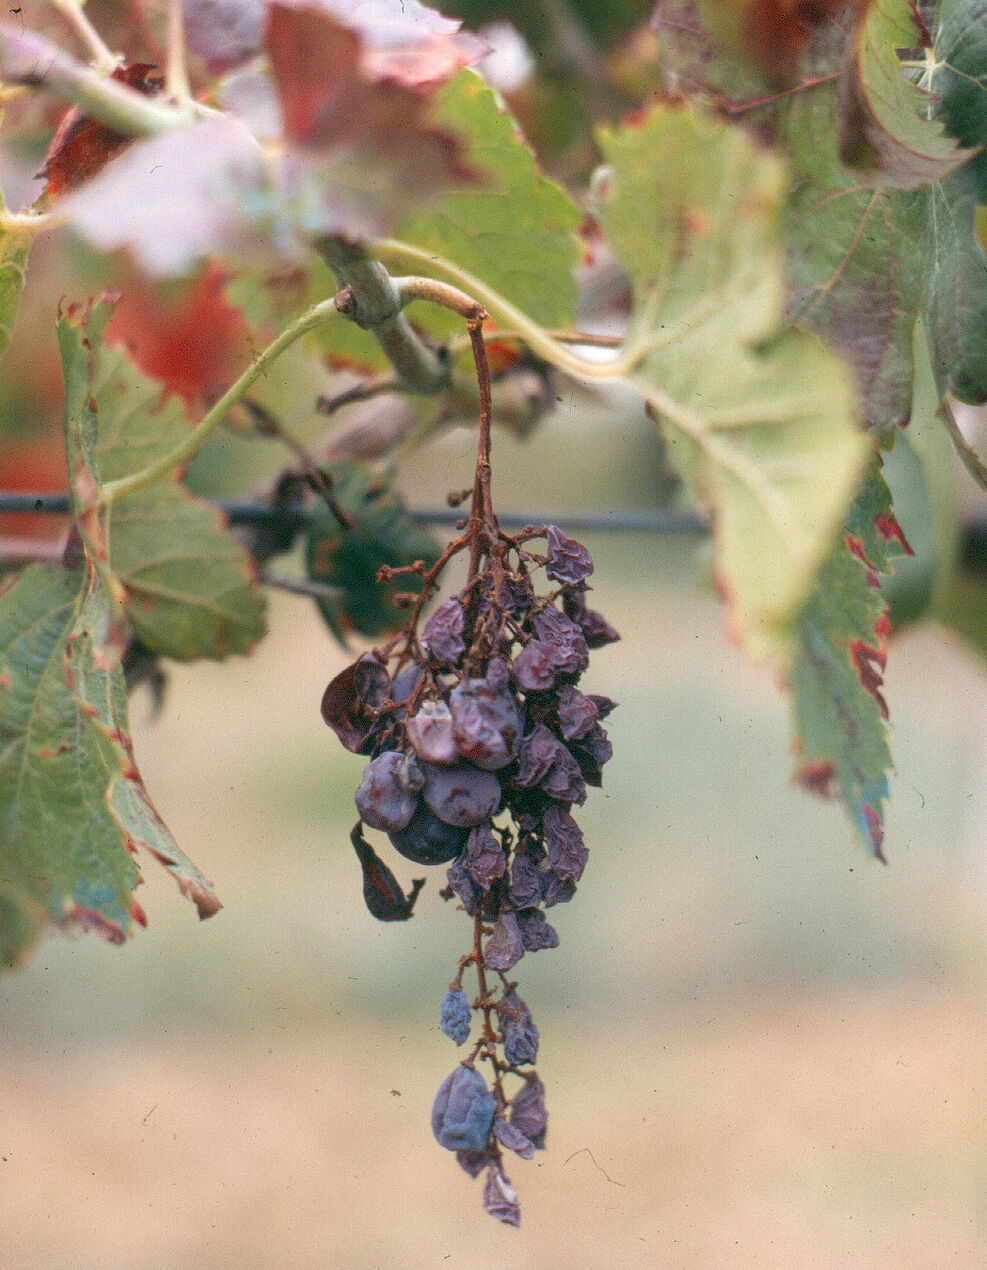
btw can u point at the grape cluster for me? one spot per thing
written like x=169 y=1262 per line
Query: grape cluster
x=480 y=745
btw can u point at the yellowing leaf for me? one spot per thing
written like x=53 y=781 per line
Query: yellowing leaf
x=760 y=419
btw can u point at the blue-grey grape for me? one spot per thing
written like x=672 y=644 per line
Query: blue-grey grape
x=463 y=1111
x=455 y=1015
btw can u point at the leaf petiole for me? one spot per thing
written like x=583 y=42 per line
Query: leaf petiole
x=198 y=436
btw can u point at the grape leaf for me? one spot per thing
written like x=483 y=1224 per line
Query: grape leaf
x=885 y=134
x=188 y=583
x=515 y=230
x=14 y=249
x=60 y=843
x=865 y=261
x=349 y=557
x=357 y=152
x=759 y=418
x=840 y=714
x=401 y=40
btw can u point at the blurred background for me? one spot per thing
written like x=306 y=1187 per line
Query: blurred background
x=761 y=1048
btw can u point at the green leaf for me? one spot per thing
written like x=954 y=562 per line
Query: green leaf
x=14 y=250
x=60 y=844
x=759 y=418
x=865 y=262
x=960 y=77
x=189 y=586
x=885 y=132
x=73 y=808
x=515 y=230
x=839 y=712
x=349 y=558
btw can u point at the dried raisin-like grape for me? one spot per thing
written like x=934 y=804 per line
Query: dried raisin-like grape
x=442 y=634
x=568 y=560
x=528 y=1114
x=430 y=733
x=455 y=1015
x=485 y=722
x=463 y=1111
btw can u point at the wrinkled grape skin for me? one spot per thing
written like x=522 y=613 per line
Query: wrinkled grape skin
x=428 y=840
x=534 y=667
x=486 y=723
x=528 y=1114
x=568 y=560
x=463 y=1111
x=455 y=1016
x=462 y=795
x=442 y=634
x=383 y=800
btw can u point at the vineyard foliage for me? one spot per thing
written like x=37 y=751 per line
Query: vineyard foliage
x=792 y=197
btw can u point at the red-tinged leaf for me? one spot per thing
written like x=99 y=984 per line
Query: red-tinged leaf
x=186 y=335
x=400 y=40
x=82 y=144
x=866 y=258
x=839 y=709
x=369 y=140
x=771 y=36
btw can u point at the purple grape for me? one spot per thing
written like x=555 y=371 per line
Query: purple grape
x=504 y=947
x=461 y=795
x=520 y=1032
x=386 y=797
x=404 y=683
x=485 y=722
x=536 y=933
x=428 y=840
x=483 y=858
x=557 y=890
x=466 y=890
x=595 y=628
x=564 y=846
x=430 y=732
x=569 y=650
x=568 y=560
x=463 y=1111
x=592 y=751
x=604 y=706
x=546 y=764
x=534 y=667
x=577 y=712
x=474 y=1162
x=528 y=1114
x=455 y=1015
x=349 y=701
x=442 y=634
x=527 y=890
